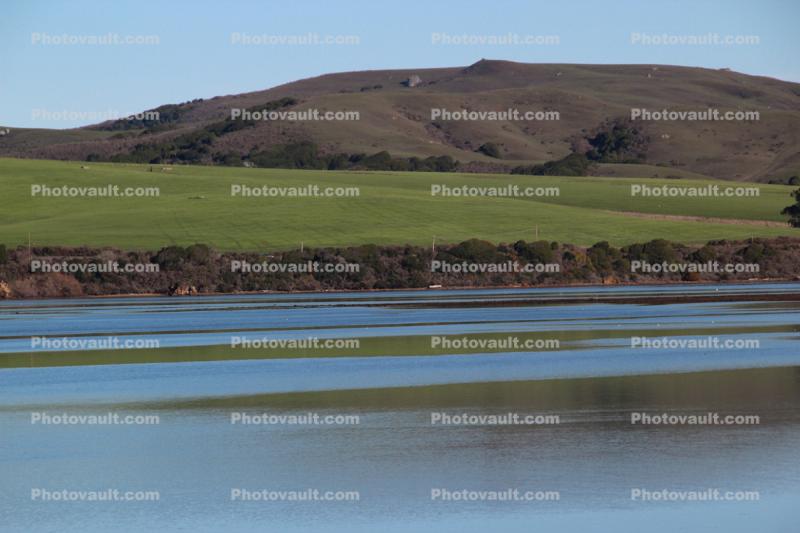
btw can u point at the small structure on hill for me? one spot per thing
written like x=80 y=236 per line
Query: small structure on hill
x=412 y=81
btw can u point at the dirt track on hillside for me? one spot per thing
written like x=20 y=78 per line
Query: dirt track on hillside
x=711 y=220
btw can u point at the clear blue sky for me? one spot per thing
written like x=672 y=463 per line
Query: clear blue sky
x=194 y=57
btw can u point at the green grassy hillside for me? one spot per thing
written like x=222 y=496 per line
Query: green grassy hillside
x=195 y=205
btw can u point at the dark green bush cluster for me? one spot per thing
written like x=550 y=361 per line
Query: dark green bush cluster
x=491 y=150
x=606 y=260
x=791 y=180
x=195 y=146
x=655 y=252
x=617 y=142
x=306 y=155
x=536 y=252
x=173 y=257
x=474 y=251
x=571 y=165
x=167 y=115
x=793 y=211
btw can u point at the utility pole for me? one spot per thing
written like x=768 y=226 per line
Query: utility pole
x=537 y=232
x=433 y=247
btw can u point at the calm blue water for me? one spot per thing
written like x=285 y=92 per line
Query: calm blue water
x=395 y=457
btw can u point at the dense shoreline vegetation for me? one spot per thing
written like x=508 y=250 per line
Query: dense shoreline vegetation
x=197 y=269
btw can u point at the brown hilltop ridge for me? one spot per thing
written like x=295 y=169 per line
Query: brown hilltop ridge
x=397 y=118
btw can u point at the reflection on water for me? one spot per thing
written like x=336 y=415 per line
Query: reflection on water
x=394 y=458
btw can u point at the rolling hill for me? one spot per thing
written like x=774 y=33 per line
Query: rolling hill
x=395 y=117
x=195 y=204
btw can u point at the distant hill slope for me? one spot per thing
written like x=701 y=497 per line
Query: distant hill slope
x=397 y=118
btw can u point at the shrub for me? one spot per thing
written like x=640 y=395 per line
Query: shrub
x=793 y=210
x=605 y=258
x=635 y=252
x=704 y=255
x=617 y=141
x=294 y=155
x=442 y=163
x=490 y=149
x=475 y=251
x=659 y=251
x=198 y=254
x=230 y=159
x=535 y=252
x=338 y=162
x=571 y=165
x=753 y=252
x=170 y=258
x=379 y=161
